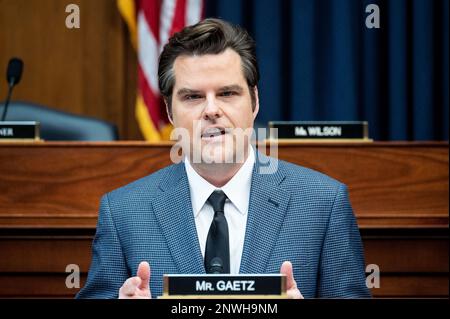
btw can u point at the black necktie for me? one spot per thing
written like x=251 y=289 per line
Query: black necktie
x=217 y=252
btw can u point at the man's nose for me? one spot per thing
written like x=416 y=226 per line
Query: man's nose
x=212 y=110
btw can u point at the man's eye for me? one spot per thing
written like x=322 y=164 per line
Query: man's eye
x=228 y=93
x=192 y=97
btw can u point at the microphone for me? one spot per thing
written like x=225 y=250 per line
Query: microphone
x=216 y=266
x=13 y=76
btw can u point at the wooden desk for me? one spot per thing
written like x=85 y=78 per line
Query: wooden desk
x=49 y=196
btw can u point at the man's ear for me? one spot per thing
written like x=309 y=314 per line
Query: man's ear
x=256 y=108
x=169 y=113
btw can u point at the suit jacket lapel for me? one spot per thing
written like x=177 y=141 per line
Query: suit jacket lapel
x=173 y=209
x=268 y=204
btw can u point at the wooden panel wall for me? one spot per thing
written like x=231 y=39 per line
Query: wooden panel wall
x=87 y=71
x=49 y=196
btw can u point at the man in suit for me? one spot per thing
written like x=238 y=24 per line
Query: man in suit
x=212 y=212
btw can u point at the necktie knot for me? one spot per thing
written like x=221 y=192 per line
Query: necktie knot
x=217 y=200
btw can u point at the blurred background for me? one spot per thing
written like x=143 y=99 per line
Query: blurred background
x=318 y=61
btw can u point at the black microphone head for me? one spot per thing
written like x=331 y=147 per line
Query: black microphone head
x=14 y=72
x=216 y=266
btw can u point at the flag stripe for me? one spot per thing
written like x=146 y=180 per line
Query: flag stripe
x=150 y=99
x=148 y=53
x=179 y=17
x=151 y=11
x=148 y=129
x=193 y=11
x=167 y=14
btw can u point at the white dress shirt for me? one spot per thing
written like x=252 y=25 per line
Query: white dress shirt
x=236 y=207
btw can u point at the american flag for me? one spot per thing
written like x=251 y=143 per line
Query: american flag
x=151 y=23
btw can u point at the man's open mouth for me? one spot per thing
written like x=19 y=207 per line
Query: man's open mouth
x=213 y=132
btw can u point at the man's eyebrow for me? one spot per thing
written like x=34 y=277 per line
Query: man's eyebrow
x=184 y=91
x=234 y=87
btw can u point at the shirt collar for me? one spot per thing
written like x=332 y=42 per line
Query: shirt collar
x=237 y=189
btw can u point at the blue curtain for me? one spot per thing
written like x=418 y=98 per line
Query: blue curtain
x=319 y=61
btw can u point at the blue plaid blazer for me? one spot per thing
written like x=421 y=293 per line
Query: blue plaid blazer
x=295 y=214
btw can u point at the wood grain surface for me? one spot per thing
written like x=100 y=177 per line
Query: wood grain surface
x=49 y=196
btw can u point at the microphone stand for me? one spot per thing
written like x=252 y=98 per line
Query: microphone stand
x=10 y=88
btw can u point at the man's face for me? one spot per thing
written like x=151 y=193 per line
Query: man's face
x=211 y=99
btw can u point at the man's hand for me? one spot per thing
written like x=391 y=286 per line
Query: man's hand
x=291 y=285
x=137 y=287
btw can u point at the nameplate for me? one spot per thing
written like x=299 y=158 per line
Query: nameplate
x=222 y=285
x=320 y=130
x=19 y=131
